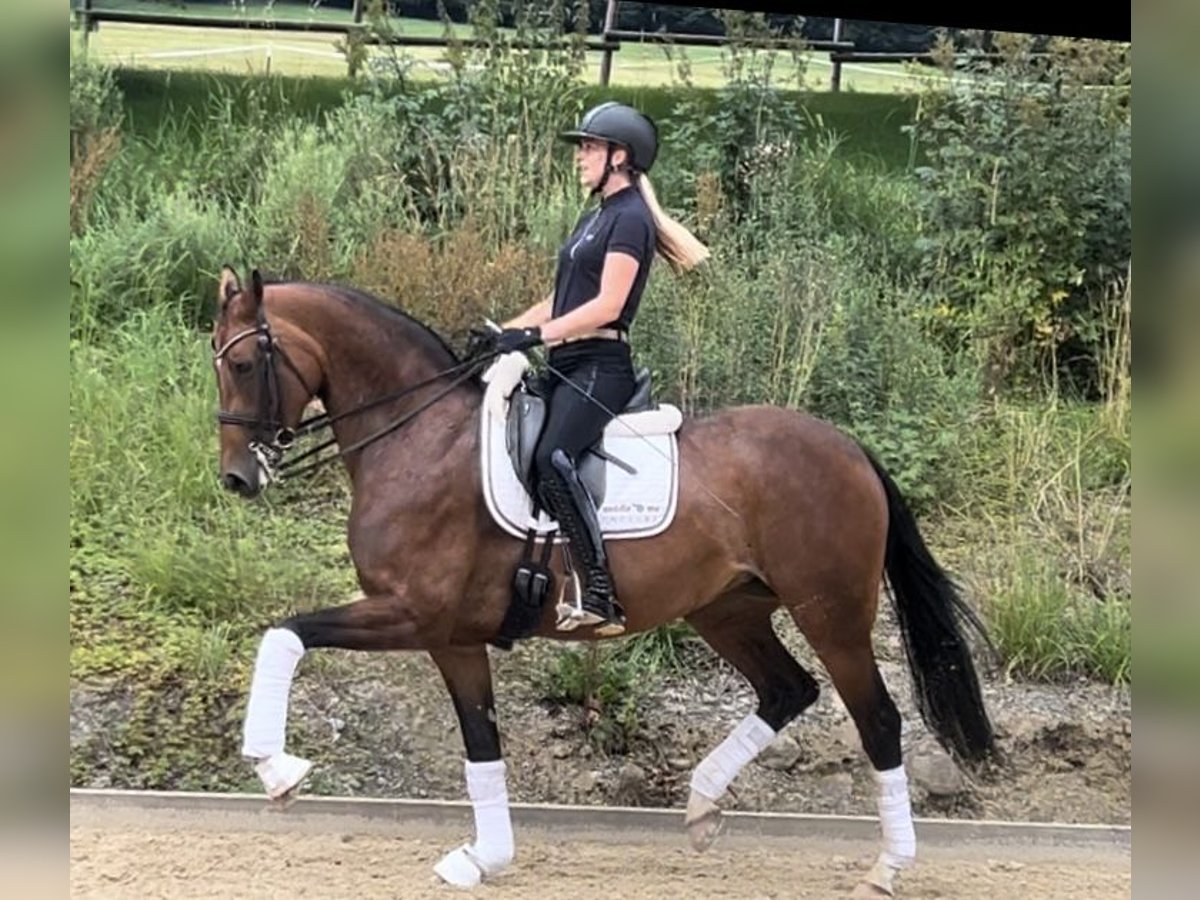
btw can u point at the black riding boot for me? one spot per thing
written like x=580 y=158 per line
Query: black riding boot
x=568 y=500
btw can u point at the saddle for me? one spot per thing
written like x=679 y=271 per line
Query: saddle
x=630 y=473
x=527 y=417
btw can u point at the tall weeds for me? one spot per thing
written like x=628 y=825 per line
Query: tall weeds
x=158 y=551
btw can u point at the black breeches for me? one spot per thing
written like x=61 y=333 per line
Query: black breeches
x=573 y=423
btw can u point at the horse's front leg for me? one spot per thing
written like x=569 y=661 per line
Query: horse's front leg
x=468 y=676
x=375 y=623
x=263 y=730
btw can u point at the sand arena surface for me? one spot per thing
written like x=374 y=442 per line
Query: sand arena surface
x=127 y=853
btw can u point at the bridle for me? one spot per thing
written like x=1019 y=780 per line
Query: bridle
x=271 y=437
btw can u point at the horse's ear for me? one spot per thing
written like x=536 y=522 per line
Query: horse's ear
x=256 y=289
x=228 y=287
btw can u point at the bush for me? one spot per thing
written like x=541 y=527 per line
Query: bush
x=134 y=260
x=882 y=379
x=95 y=99
x=1025 y=209
x=452 y=282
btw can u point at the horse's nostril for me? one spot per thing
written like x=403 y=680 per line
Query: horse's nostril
x=235 y=482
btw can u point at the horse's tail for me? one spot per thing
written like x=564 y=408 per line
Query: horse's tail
x=929 y=608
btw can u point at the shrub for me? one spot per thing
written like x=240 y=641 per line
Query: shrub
x=1025 y=209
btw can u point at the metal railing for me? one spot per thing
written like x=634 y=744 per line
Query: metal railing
x=88 y=18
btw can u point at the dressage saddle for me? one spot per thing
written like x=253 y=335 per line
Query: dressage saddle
x=527 y=418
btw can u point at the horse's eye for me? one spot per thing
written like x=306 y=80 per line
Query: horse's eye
x=242 y=366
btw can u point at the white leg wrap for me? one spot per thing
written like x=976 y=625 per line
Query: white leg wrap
x=717 y=770
x=493 y=849
x=266 y=712
x=895 y=818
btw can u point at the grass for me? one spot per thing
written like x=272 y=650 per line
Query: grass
x=278 y=11
x=868 y=124
x=1048 y=630
x=1051 y=503
x=156 y=544
x=182 y=99
x=609 y=681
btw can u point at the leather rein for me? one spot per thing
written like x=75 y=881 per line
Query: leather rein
x=271 y=437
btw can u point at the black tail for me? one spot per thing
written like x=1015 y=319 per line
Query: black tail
x=929 y=608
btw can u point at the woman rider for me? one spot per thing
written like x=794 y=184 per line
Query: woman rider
x=585 y=322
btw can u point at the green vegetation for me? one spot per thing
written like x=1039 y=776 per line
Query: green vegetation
x=944 y=275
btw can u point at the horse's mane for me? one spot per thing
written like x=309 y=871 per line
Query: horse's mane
x=360 y=296
x=426 y=335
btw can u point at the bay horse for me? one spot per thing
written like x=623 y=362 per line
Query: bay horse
x=775 y=509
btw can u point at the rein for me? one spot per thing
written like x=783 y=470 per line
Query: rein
x=273 y=438
x=465 y=370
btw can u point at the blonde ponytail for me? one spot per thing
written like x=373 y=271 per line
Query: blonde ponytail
x=679 y=247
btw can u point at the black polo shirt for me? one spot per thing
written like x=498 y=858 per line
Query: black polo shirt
x=620 y=223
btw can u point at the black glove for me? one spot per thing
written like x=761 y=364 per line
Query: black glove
x=480 y=342
x=512 y=340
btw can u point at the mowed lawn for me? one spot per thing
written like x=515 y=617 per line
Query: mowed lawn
x=247 y=51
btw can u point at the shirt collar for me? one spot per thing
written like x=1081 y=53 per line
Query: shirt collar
x=617 y=195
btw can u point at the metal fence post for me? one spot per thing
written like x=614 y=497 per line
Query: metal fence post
x=83 y=20
x=835 y=84
x=610 y=20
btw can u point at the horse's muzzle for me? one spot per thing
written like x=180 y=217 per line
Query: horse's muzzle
x=239 y=483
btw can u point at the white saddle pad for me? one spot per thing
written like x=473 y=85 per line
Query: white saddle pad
x=635 y=506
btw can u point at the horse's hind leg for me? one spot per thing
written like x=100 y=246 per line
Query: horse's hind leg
x=738 y=627
x=468 y=676
x=850 y=661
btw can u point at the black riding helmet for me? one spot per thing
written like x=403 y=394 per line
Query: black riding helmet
x=619 y=124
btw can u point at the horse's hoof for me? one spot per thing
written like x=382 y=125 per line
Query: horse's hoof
x=865 y=890
x=703 y=821
x=703 y=832
x=876 y=883
x=458 y=869
x=281 y=775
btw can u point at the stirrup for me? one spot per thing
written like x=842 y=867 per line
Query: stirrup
x=570 y=615
x=573 y=615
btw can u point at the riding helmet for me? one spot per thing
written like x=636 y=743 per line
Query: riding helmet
x=620 y=124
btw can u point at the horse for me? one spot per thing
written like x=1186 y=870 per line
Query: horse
x=775 y=509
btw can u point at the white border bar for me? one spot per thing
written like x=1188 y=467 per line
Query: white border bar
x=608 y=821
